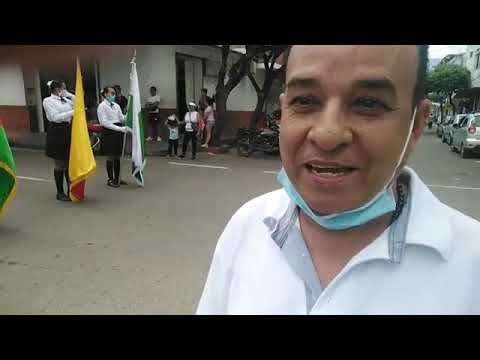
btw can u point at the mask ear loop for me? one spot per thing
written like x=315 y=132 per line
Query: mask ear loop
x=389 y=183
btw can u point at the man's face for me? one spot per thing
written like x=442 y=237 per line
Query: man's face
x=346 y=114
x=153 y=92
x=118 y=91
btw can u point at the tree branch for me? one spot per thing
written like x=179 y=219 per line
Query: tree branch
x=254 y=82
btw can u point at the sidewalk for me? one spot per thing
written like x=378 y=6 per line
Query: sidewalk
x=37 y=141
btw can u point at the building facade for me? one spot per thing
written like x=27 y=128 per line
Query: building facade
x=179 y=72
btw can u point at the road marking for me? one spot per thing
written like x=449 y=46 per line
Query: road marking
x=26 y=149
x=271 y=172
x=33 y=179
x=453 y=187
x=198 y=165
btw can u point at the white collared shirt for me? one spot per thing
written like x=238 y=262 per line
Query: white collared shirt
x=437 y=274
x=58 y=110
x=110 y=114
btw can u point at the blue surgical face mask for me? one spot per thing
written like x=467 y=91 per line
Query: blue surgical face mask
x=382 y=203
x=111 y=98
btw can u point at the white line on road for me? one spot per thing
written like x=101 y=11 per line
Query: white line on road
x=27 y=150
x=453 y=187
x=271 y=172
x=33 y=179
x=198 y=165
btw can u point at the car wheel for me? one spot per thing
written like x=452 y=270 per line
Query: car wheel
x=463 y=152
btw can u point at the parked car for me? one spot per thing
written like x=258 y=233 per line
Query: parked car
x=441 y=125
x=466 y=136
x=448 y=128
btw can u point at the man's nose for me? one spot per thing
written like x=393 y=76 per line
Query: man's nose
x=329 y=131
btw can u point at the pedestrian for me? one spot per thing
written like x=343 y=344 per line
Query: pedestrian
x=111 y=118
x=121 y=100
x=153 y=108
x=353 y=230
x=172 y=124
x=210 y=121
x=59 y=112
x=191 y=130
x=202 y=102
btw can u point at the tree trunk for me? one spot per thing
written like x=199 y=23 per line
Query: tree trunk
x=221 y=105
x=258 y=111
x=452 y=104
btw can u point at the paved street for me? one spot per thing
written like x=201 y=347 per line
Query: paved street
x=147 y=251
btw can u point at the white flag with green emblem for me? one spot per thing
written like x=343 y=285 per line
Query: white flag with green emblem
x=135 y=122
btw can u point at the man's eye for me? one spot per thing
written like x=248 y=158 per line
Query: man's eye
x=370 y=105
x=303 y=103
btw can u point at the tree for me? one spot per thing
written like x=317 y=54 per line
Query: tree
x=270 y=56
x=224 y=87
x=444 y=80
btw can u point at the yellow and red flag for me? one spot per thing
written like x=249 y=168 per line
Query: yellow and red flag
x=82 y=162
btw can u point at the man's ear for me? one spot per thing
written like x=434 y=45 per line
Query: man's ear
x=423 y=112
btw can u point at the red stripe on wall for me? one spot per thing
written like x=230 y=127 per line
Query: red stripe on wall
x=16 y=120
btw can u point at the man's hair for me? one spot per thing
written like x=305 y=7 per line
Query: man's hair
x=422 y=67
x=117 y=87
x=205 y=91
x=153 y=88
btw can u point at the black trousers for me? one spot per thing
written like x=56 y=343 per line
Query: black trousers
x=172 y=144
x=190 y=135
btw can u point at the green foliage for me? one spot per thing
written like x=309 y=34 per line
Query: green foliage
x=447 y=78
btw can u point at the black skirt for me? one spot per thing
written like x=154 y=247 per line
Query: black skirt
x=112 y=142
x=58 y=140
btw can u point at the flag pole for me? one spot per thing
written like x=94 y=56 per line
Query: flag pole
x=125 y=134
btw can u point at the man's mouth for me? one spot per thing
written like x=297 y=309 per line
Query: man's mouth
x=329 y=170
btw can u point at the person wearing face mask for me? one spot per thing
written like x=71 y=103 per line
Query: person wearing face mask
x=191 y=130
x=112 y=119
x=353 y=230
x=59 y=112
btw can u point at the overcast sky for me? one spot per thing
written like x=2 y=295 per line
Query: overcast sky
x=439 y=51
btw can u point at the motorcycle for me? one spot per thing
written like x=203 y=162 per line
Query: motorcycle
x=265 y=140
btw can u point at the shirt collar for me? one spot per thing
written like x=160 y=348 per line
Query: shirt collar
x=427 y=224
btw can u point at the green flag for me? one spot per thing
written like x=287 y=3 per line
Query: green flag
x=135 y=122
x=8 y=179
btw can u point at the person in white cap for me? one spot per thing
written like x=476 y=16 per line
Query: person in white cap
x=353 y=230
x=191 y=128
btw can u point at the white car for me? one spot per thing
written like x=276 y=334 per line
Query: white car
x=466 y=136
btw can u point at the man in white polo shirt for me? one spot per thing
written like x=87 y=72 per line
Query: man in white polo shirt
x=353 y=230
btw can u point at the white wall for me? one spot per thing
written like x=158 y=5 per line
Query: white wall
x=471 y=62
x=12 y=89
x=156 y=66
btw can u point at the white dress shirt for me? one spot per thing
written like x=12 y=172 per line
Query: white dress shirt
x=427 y=262
x=58 y=109
x=109 y=114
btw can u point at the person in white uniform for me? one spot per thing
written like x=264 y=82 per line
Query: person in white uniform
x=112 y=119
x=59 y=111
x=353 y=230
